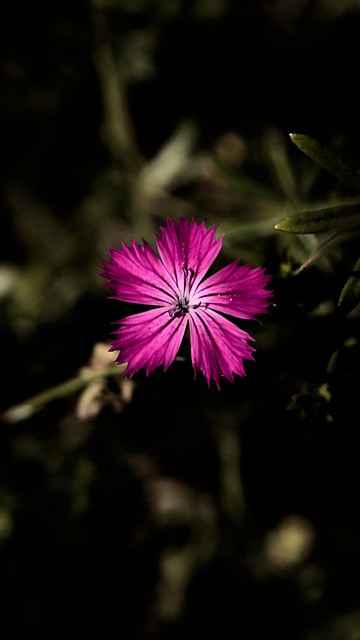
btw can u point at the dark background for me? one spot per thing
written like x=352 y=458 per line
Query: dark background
x=188 y=512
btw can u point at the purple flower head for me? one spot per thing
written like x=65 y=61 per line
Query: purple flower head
x=173 y=284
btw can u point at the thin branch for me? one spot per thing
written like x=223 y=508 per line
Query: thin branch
x=28 y=407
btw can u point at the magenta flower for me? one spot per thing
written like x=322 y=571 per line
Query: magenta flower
x=173 y=284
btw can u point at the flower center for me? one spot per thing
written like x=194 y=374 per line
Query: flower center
x=181 y=307
x=183 y=304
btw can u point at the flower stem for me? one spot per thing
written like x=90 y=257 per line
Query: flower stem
x=86 y=375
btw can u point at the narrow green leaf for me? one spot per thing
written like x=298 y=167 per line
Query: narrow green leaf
x=328 y=160
x=350 y=295
x=342 y=216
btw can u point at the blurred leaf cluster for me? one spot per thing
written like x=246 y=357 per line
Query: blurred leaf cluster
x=343 y=219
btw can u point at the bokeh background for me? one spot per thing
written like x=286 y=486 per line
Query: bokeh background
x=161 y=509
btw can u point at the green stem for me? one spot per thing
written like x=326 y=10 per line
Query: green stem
x=27 y=408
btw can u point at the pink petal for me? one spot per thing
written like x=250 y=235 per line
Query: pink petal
x=218 y=347
x=136 y=274
x=149 y=339
x=187 y=248
x=237 y=291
